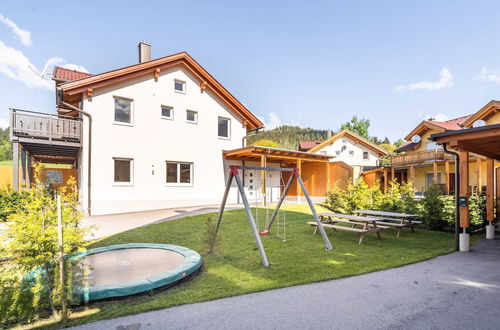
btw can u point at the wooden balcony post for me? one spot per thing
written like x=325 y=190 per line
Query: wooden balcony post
x=412 y=174
x=447 y=178
x=479 y=171
x=490 y=185
x=385 y=180
x=435 y=174
x=464 y=187
x=393 y=174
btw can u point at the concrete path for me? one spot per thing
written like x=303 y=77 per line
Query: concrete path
x=106 y=225
x=456 y=291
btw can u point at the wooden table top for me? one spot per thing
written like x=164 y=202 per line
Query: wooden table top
x=385 y=214
x=349 y=217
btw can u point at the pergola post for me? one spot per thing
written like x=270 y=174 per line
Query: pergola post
x=299 y=189
x=479 y=176
x=490 y=198
x=464 y=199
x=447 y=178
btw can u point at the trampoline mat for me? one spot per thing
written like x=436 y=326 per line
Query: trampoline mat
x=128 y=265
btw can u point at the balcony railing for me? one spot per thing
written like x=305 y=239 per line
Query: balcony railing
x=38 y=125
x=420 y=158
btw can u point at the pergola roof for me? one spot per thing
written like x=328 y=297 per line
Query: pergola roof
x=483 y=140
x=255 y=153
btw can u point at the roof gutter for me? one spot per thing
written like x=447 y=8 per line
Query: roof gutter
x=89 y=174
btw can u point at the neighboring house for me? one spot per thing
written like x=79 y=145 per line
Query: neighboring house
x=352 y=149
x=147 y=136
x=424 y=162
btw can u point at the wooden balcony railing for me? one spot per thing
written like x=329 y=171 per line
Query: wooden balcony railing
x=419 y=158
x=38 y=125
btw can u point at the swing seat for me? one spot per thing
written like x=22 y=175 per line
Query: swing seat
x=265 y=232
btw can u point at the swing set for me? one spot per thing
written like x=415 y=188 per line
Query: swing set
x=234 y=174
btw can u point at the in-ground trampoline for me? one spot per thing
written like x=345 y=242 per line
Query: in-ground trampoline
x=127 y=269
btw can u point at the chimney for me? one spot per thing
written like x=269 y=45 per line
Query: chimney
x=144 y=52
x=329 y=134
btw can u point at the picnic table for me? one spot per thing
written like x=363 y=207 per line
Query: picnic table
x=392 y=219
x=333 y=221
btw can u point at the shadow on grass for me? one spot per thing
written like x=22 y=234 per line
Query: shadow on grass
x=236 y=266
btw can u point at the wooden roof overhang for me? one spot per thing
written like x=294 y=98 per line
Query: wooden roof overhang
x=73 y=90
x=422 y=127
x=483 y=140
x=254 y=153
x=484 y=113
x=358 y=139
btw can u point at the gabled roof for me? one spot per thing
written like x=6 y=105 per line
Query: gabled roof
x=355 y=137
x=440 y=126
x=408 y=145
x=153 y=68
x=64 y=75
x=306 y=145
x=492 y=107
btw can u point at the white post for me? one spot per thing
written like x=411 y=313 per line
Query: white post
x=464 y=242
x=490 y=231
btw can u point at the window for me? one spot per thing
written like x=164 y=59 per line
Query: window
x=191 y=116
x=180 y=86
x=123 y=110
x=365 y=155
x=337 y=153
x=344 y=141
x=179 y=173
x=429 y=178
x=431 y=146
x=223 y=129
x=351 y=153
x=167 y=112
x=123 y=170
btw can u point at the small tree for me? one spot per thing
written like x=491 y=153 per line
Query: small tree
x=433 y=208
x=33 y=249
x=266 y=143
x=211 y=237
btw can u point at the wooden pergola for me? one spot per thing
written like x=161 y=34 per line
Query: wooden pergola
x=286 y=158
x=484 y=141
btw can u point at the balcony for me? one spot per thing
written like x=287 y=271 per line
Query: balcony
x=420 y=158
x=44 y=128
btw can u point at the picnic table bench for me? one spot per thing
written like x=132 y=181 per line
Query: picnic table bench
x=392 y=219
x=333 y=221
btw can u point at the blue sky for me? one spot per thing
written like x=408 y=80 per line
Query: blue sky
x=307 y=63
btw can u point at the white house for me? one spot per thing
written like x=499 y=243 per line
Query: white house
x=351 y=149
x=152 y=137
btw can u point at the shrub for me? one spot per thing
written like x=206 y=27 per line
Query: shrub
x=32 y=243
x=11 y=202
x=211 y=236
x=477 y=211
x=432 y=208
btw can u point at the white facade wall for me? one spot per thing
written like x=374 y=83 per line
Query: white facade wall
x=341 y=149
x=152 y=140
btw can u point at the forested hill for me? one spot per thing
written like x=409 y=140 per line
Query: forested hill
x=5 y=145
x=288 y=137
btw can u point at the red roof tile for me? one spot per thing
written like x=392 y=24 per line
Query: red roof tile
x=68 y=74
x=452 y=124
x=306 y=145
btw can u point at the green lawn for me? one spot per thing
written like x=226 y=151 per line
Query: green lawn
x=236 y=268
x=6 y=163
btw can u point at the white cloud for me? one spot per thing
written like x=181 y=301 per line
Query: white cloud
x=437 y=117
x=4 y=123
x=445 y=81
x=14 y=64
x=274 y=121
x=23 y=35
x=489 y=75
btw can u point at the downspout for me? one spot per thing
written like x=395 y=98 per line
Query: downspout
x=457 y=192
x=89 y=116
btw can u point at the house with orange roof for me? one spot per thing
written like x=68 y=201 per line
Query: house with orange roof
x=424 y=162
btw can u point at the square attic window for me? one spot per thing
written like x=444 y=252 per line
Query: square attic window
x=180 y=86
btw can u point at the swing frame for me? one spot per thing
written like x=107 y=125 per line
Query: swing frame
x=234 y=174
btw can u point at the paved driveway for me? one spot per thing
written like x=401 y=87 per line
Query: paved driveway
x=456 y=291
x=105 y=225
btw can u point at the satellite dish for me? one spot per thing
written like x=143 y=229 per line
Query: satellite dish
x=479 y=123
x=415 y=138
